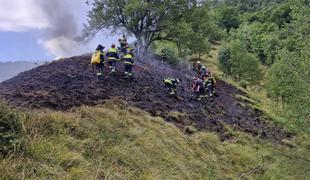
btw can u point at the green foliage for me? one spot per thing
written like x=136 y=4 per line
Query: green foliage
x=192 y=32
x=199 y=45
x=288 y=83
x=239 y=64
x=171 y=57
x=228 y=18
x=244 y=83
x=149 y=21
x=10 y=131
x=277 y=33
x=225 y=63
x=281 y=15
x=259 y=39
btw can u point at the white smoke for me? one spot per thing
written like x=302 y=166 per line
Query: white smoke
x=63 y=30
x=62 y=46
x=55 y=18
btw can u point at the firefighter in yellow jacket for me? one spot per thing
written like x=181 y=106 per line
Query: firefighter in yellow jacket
x=97 y=60
x=128 y=62
x=113 y=57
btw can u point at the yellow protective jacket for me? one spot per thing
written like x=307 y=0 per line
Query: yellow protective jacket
x=112 y=54
x=170 y=81
x=97 y=57
x=128 y=59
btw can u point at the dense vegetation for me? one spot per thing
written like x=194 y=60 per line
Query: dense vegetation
x=275 y=33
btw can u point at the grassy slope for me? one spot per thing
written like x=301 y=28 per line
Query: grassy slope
x=114 y=141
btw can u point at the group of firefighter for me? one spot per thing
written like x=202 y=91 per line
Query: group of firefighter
x=123 y=53
x=203 y=83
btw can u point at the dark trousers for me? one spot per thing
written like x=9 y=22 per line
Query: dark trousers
x=112 y=64
x=211 y=89
x=171 y=87
x=100 y=67
x=128 y=69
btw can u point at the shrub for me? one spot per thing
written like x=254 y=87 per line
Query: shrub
x=244 y=84
x=10 y=130
x=171 y=56
x=225 y=61
x=236 y=62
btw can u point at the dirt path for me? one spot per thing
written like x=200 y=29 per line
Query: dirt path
x=71 y=82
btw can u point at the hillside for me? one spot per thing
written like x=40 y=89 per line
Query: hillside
x=69 y=126
x=70 y=82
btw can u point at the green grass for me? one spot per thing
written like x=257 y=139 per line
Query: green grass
x=113 y=141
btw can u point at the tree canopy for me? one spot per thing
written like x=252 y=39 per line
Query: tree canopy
x=146 y=20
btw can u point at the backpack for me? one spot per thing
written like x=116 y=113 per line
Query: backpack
x=95 y=59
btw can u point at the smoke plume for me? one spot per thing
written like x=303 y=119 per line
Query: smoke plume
x=60 y=36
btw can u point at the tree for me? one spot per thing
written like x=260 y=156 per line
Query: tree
x=228 y=18
x=199 y=45
x=225 y=61
x=288 y=83
x=146 y=20
x=236 y=62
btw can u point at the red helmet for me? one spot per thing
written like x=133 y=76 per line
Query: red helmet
x=113 y=45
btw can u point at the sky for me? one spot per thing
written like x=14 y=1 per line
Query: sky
x=41 y=30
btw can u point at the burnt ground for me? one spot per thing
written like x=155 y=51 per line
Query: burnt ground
x=71 y=82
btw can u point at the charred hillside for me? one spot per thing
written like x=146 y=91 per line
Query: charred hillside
x=71 y=82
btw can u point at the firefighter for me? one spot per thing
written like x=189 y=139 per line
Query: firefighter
x=113 y=57
x=198 y=88
x=128 y=62
x=97 y=60
x=171 y=84
x=210 y=84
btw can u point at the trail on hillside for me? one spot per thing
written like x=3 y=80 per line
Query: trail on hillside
x=71 y=82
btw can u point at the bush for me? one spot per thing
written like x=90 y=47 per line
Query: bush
x=225 y=61
x=199 y=45
x=10 y=130
x=171 y=58
x=244 y=84
x=246 y=67
x=236 y=62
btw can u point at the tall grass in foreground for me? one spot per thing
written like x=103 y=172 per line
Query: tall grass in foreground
x=114 y=141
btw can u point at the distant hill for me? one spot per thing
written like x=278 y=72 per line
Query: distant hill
x=11 y=69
